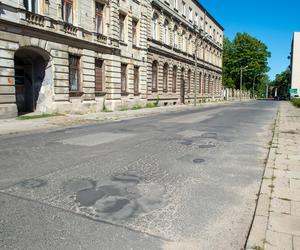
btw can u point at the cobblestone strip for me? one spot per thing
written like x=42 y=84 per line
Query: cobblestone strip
x=276 y=223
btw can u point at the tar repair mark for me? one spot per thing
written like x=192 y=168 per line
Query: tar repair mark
x=125 y=196
x=32 y=183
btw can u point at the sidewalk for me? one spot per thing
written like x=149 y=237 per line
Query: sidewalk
x=277 y=220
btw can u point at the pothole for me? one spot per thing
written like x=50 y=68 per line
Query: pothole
x=32 y=183
x=198 y=160
x=207 y=146
x=209 y=135
x=186 y=142
x=123 y=197
x=126 y=178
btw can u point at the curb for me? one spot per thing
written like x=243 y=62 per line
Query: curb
x=257 y=233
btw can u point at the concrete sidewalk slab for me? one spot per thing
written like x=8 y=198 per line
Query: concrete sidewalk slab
x=283 y=214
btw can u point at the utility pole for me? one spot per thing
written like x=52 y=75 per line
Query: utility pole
x=253 y=84
x=241 y=80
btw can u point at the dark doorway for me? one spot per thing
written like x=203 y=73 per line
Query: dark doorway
x=182 y=87
x=30 y=71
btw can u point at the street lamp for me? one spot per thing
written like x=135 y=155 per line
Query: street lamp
x=241 y=80
x=196 y=64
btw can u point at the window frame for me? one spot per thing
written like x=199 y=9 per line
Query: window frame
x=77 y=75
x=124 y=80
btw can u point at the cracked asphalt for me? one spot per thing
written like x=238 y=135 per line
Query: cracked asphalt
x=185 y=180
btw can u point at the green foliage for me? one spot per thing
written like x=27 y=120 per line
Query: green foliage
x=150 y=105
x=157 y=101
x=244 y=51
x=136 y=107
x=43 y=115
x=282 y=83
x=296 y=102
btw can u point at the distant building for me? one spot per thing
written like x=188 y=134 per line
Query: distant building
x=77 y=55
x=295 y=65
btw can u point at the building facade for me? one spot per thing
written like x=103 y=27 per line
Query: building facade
x=184 y=53
x=295 y=65
x=87 y=55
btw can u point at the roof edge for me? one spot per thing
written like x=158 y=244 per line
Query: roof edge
x=208 y=14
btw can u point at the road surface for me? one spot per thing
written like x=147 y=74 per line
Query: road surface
x=184 y=180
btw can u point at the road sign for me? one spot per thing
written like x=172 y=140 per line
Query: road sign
x=293 y=91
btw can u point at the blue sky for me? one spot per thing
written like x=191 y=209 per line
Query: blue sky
x=272 y=22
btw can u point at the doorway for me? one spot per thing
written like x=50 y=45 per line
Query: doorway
x=30 y=72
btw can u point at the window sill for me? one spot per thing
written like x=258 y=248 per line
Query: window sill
x=100 y=93
x=124 y=93
x=137 y=94
x=136 y=47
x=76 y=93
x=123 y=43
x=154 y=90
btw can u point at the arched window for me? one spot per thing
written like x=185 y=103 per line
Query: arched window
x=174 y=79
x=165 y=77
x=189 y=81
x=166 y=32
x=155 y=26
x=154 y=75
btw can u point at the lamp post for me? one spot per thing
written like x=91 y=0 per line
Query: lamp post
x=241 y=80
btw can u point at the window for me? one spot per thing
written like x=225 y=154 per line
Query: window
x=189 y=81
x=174 y=79
x=99 y=76
x=176 y=4
x=197 y=19
x=209 y=84
x=200 y=83
x=134 y=32
x=165 y=77
x=175 y=36
x=74 y=73
x=184 y=41
x=67 y=11
x=154 y=75
x=183 y=8
x=32 y=5
x=166 y=32
x=136 y=72
x=99 y=17
x=190 y=14
x=122 y=27
x=204 y=85
x=155 y=26
x=123 y=78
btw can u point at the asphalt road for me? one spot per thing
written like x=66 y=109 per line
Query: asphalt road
x=183 y=180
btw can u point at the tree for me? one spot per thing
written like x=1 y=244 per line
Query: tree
x=282 y=83
x=244 y=51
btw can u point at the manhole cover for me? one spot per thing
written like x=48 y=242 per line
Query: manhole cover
x=198 y=160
